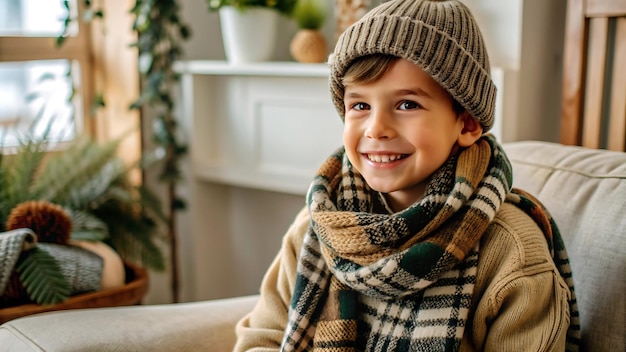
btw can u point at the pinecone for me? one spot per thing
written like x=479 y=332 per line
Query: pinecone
x=49 y=221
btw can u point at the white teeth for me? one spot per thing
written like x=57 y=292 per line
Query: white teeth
x=384 y=158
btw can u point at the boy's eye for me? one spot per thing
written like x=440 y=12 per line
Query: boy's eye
x=360 y=106
x=409 y=105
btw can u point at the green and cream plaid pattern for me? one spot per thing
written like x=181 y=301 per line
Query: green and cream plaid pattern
x=371 y=280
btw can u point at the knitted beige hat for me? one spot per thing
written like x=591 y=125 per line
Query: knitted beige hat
x=441 y=37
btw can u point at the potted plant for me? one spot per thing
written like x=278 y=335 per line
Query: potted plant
x=249 y=27
x=84 y=191
x=284 y=7
x=309 y=45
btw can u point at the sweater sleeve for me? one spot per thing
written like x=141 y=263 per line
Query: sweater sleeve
x=533 y=315
x=522 y=301
x=262 y=329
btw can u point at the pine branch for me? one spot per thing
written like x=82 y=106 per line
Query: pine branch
x=22 y=172
x=152 y=203
x=133 y=233
x=72 y=168
x=86 y=226
x=42 y=278
x=94 y=190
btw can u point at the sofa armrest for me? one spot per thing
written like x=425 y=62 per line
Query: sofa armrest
x=207 y=325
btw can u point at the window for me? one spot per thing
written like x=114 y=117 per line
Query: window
x=40 y=83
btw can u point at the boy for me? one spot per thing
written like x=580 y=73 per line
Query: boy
x=412 y=239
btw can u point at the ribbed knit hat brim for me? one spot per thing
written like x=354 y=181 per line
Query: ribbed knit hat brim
x=440 y=37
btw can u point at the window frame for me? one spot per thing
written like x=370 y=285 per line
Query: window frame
x=108 y=66
x=75 y=49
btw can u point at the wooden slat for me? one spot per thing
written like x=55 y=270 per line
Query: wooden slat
x=617 y=123
x=594 y=91
x=605 y=8
x=573 y=73
x=115 y=75
x=40 y=48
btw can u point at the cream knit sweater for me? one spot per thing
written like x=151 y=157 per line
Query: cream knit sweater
x=520 y=300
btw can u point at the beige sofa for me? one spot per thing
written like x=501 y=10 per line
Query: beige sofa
x=584 y=189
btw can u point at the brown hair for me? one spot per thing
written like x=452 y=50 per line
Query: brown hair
x=370 y=68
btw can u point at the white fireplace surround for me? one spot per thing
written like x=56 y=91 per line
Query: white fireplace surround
x=267 y=125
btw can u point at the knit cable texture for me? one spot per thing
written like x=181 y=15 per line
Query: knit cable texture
x=11 y=245
x=440 y=37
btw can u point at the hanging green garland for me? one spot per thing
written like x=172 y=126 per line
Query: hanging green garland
x=160 y=31
x=159 y=34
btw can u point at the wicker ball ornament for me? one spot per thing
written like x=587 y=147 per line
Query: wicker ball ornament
x=308 y=46
x=48 y=221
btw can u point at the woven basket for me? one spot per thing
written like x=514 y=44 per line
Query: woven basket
x=129 y=294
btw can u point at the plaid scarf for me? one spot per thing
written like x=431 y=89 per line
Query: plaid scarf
x=401 y=281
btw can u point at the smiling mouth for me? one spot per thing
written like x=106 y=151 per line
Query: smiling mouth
x=385 y=158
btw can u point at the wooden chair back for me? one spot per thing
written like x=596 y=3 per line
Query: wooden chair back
x=594 y=75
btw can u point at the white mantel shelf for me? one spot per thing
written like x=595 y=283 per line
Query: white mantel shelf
x=269 y=68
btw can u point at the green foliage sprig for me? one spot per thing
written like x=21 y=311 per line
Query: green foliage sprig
x=284 y=7
x=42 y=277
x=160 y=32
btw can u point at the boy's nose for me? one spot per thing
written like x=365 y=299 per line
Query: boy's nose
x=379 y=126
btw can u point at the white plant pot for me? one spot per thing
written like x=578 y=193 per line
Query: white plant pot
x=249 y=35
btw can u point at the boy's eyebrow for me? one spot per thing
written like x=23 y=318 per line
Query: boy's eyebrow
x=416 y=91
x=353 y=95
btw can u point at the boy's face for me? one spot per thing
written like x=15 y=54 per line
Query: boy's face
x=400 y=129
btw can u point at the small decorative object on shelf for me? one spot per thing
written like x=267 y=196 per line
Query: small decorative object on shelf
x=309 y=45
x=347 y=12
x=249 y=27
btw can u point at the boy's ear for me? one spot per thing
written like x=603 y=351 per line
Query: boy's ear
x=471 y=131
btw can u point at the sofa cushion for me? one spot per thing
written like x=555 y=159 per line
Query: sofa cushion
x=585 y=191
x=193 y=326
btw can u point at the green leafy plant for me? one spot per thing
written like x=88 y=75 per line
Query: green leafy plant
x=309 y=14
x=92 y=184
x=284 y=7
